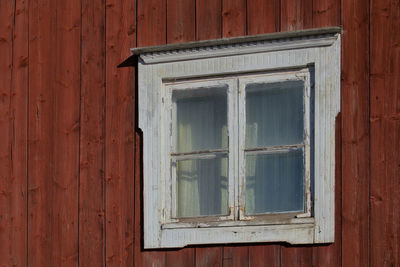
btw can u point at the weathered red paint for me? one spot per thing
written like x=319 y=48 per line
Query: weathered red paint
x=70 y=152
x=120 y=35
x=92 y=154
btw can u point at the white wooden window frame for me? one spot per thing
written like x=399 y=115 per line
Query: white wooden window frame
x=161 y=71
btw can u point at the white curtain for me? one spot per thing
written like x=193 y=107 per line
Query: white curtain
x=274 y=117
x=202 y=183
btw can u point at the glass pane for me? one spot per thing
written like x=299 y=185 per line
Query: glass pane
x=201 y=119
x=274 y=182
x=274 y=114
x=202 y=187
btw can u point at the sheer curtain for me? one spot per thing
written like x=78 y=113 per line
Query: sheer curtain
x=202 y=180
x=274 y=117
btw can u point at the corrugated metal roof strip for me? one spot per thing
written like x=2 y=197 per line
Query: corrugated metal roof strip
x=219 y=44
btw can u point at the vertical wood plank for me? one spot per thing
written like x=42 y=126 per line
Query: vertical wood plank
x=40 y=135
x=296 y=256
x=385 y=133
x=209 y=256
x=54 y=90
x=120 y=137
x=19 y=101
x=6 y=133
x=236 y=256
x=151 y=19
x=296 y=14
x=181 y=21
x=180 y=258
x=263 y=16
x=234 y=18
x=208 y=19
x=355 y=133
x=265 y=255
x=66 y=135
x=326 y=13
x=151 y=30
x=92 y=147
x=13 y=137
x=181 y=27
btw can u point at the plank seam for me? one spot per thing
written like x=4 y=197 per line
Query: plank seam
x=105 y=137
x=80 y=131
x=27 y=145
x=369 y=132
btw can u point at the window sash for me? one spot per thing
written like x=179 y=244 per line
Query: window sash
x=236 y=146
x=292 y=75
x=170 y=179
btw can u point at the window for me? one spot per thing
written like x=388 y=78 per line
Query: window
x=239 y=139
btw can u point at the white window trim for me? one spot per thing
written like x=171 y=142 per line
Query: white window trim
x=158 y=68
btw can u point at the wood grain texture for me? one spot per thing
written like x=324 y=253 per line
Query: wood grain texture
x=296 y=14
x=385 y=133
x=263 y=16
x=296 y=256
x=355 y=133
x=151 y=22
x=208 y=256
x=180 y=258
x=19 y=121
x=208 y=19
x=234 y=21
x=66 y=134
x=120 y=135
x=326 y=13
x=265 y=255
x=54 y=91
x=40 y=135
x=236 y=256
x=92 y=146
x=68 y=69
x=13 y=127
x=6 y=168
x=181 y=21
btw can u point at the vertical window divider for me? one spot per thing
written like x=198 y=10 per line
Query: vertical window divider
x=232 y=138
x=241 y=121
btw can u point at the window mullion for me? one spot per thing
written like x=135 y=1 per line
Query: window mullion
x=241 y=126
x=233 y=161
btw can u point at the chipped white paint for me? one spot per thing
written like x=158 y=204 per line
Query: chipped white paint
x=161 y=71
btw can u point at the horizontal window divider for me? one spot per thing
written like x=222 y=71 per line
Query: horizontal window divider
x=204 y=154
x=272 y=149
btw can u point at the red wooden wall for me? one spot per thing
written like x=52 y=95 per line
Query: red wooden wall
x=70 y=188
